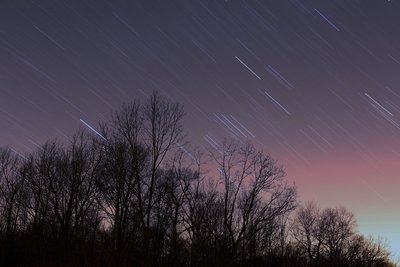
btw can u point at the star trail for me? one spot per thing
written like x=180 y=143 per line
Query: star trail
x=314 y=83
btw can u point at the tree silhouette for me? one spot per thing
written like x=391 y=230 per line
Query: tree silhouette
x=135 y=194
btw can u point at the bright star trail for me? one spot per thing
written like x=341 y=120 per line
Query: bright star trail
x=92 y=129
x=314 y=83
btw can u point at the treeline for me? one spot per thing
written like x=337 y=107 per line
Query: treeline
x=133 y=194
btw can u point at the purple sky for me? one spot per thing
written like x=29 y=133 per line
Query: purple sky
x=314 y=83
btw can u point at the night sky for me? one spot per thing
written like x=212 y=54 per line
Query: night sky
x=314 y=83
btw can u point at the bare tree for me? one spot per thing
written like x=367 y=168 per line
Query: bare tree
x=362 y=251
x=204 y=221
x=306 y=231
x=61 y=193
x=121 y=170
x=329 y=237
x=12 y=193
x=178 y=177
x=139 y=140
x=38 y=170
x=337 y=226
x=253 y=193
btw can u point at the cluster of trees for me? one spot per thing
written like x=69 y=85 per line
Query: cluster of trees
x=328 y=237
x=133 y=195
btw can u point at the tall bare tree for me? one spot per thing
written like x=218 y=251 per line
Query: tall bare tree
x=163 y=133
x=139 y=141
x=253 y=193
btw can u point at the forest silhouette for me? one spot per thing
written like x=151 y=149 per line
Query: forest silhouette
x=135 y=193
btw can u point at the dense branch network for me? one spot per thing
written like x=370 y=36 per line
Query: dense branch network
x=132 y=194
